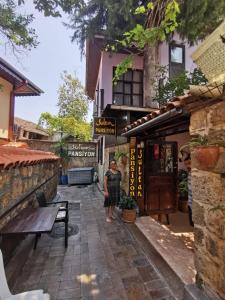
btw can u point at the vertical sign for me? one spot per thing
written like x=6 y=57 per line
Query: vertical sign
x=132 y=169
x=140 y=178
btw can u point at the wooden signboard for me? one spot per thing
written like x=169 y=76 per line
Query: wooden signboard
x=104 y=126
x=140 y=178
x=81 y=149
x=132 y=168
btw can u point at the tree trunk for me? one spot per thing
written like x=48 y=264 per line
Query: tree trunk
x=150 y=68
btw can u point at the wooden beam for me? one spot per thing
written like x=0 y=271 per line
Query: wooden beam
x=11 y=116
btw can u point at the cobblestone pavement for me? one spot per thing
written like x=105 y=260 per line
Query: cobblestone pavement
x=102 y=261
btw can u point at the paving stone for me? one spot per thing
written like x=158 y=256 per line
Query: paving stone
x=103 y=261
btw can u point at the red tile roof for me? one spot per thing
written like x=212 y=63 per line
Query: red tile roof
x=176 y=102
x=13 y=156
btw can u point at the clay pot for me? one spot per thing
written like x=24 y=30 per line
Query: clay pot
x=129 y=215
x=182 y=205
x=207 y=156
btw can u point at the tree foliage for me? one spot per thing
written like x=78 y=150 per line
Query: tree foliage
x=107 y=17
x=15 y=27
x=72 y=100
x=73 y=109
x=173 y=87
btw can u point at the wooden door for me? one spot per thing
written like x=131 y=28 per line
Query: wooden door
x=161 y=177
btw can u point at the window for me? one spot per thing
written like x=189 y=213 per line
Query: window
x=111 y=156
x=176 y=60
x=129 y=89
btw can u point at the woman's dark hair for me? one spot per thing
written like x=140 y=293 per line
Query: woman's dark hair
x=113 y=160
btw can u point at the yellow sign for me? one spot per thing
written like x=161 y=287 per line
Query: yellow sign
x=104 y=126
x=132 y=183
x=139 y=173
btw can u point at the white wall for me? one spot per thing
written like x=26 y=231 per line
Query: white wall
x=5 y=90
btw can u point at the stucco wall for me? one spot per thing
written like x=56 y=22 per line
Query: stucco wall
x=108 y=61
x=164 y=53
x=5 y=90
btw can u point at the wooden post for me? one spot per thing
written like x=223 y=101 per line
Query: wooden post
x=140 y=177
x=11 y=116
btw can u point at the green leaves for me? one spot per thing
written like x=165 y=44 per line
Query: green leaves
x=140 y=10
x=175 y=86
x=123 y=68
x=73 y=109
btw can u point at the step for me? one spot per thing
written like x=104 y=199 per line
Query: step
x=171 y=257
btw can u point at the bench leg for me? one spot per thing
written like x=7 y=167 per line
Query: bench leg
x=167 y=219
x=38 y=235
x=66 y=234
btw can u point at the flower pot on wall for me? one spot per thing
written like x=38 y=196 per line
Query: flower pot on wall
x=124 y=159
x=207 y=157
x=129 y=215
x=183 y=204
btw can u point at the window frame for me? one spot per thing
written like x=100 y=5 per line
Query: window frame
x=174 y=64
x=131 y=82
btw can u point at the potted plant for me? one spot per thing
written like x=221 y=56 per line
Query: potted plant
x=121 y=155
x=207 y=154
x=128 y=206
x=183 y=190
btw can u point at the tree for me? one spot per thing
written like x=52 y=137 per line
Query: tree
x=73 y=109
x=196 y=20
x=72 y=100
x=15 y=27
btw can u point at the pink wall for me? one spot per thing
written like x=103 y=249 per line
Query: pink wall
x=109 y=60
x=164 y=54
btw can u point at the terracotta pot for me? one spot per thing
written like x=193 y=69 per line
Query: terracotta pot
x=129 y=215
x=207 y=156
x=182 y=205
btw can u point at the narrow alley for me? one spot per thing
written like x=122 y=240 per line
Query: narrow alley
x=102 y=261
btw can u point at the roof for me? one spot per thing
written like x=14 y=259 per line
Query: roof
x=23 y=86
x=110 y=107
x=93 y=58
x=29 y=126
x=11 y=157
x=176 y=106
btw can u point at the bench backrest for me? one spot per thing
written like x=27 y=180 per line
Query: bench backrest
x=41 y=199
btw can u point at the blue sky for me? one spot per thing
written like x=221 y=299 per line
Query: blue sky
x=43 y=65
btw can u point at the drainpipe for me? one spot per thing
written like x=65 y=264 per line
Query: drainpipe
x=160 y=119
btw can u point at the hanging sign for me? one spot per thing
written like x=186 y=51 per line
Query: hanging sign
x=140 y=161
x=81 y=149
x=104 y=126
x=132 y=168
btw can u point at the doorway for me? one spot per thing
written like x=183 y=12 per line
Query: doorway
x=161 y=160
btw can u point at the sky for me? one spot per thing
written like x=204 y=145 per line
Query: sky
x=43 y=65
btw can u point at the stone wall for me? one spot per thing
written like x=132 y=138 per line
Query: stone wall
x=75 y=162
x=17 y=191
x=208 y=186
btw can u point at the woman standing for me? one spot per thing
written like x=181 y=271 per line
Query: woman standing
x=112 y=180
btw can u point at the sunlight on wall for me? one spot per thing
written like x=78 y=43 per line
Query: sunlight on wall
x=5 y=90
